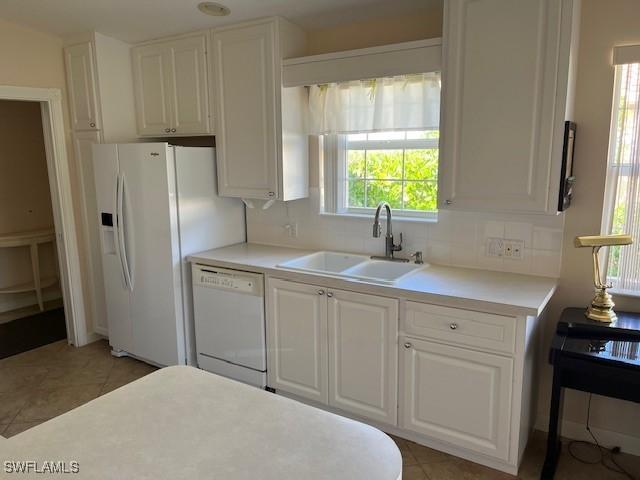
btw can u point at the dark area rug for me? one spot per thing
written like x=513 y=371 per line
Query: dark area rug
x=32 y=332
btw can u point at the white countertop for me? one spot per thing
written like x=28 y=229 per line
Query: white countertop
x=495 y=292
x=184 y=423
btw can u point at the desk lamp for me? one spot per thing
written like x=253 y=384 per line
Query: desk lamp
x=601 y=308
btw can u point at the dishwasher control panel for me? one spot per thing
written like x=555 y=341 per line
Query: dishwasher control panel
x=211 y=277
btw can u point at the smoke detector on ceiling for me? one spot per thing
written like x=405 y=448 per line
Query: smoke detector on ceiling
x=214 y=9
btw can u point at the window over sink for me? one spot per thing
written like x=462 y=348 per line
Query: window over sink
x=380 y=142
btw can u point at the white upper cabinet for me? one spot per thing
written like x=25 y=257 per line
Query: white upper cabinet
x=81 y=80
x=171 y=87
x=262 y=150
x=506 y=94
x=246 y=104
x=190 y=112
x=151 y=73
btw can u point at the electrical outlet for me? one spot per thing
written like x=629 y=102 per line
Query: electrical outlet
x=495 y=247
x=513 y=249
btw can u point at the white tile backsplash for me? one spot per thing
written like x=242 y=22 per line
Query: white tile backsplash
x=458 y=238
x=519 y=231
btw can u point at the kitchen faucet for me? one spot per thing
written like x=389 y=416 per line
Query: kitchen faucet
x=389 y=246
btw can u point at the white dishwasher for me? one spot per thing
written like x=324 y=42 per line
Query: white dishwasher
x=229 y=319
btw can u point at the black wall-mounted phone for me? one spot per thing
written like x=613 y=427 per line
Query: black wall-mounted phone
x=567 y=180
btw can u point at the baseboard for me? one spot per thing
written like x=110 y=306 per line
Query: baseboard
x=101 y=331
x=607 y=438
x=93 y=337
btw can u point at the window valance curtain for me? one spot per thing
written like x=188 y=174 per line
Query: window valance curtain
x=404 y=102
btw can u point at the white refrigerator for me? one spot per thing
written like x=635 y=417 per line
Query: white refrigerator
x=157 y=204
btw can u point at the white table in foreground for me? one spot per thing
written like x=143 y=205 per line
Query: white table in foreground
x=183 y=423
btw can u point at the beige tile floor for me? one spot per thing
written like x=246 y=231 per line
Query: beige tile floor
x=43 y=383
x=51 y=380
x=422 y=463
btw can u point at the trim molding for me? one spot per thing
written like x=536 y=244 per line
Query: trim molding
x=578 y=431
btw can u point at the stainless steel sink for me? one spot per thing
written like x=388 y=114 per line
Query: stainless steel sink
x=347 y=265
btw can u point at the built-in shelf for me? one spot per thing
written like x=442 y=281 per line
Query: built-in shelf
x=30 y=239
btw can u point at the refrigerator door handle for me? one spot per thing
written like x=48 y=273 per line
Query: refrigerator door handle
x=116 y=228
x=121 y=233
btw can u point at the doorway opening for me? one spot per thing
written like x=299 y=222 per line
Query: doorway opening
x=41 y=292
x=31 y=306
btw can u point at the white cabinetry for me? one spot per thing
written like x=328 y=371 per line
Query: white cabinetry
x=457 y=395
x=363 y=355
x=334 y=347
x=262 y=150
x=507 y=81
x=297 y=339
x=81 y=81
x=171 y=87
x=82 y=142
x=101 y=107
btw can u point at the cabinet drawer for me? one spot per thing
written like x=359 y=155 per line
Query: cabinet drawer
x=464 y=327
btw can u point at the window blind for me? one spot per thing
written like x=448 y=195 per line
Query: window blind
x=622 y=192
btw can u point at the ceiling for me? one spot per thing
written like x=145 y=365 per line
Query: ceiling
x=138 y=20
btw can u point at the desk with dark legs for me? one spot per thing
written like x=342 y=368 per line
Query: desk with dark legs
x=592 y=357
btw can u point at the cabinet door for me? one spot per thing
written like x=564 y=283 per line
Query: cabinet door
x=84 y=159
x=297 y=339
x=81 y=80
x=500 y=90
x=152 y=83
x=363 y=353
x=189 y=94
x=245 y=105
x=459 y=396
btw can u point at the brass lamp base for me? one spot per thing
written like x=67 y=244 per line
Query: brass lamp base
x=601 y=308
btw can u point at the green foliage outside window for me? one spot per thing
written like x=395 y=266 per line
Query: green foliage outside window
x=406 y=178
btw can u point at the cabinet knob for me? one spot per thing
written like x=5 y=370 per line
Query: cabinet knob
x=92 y=125
x=320 y=292
x=272 y=194
x=448 y=202
x=329 y=294
x=173 y=130
x=167 y=130
x=408 y=345
x=453 y=326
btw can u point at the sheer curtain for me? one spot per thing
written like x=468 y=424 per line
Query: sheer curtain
x=622 y=193
x=395 y=103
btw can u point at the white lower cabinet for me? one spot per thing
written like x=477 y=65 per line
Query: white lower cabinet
x=456 y=395
x=451 y=378
x=334 y=347
x=297 y=339
x=363 y=353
